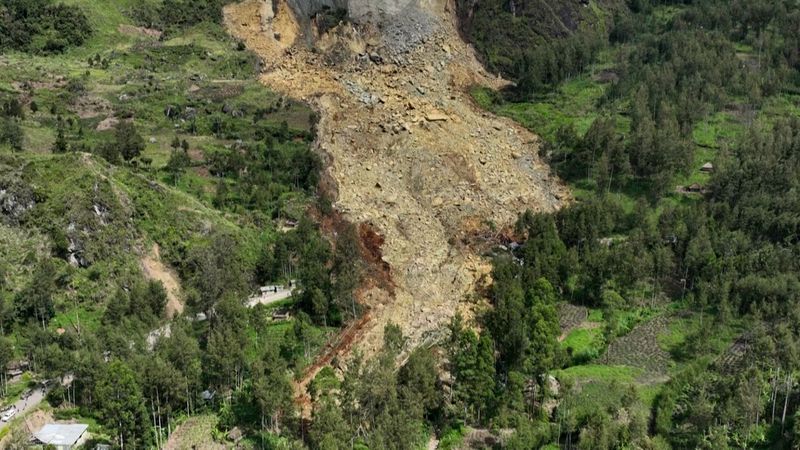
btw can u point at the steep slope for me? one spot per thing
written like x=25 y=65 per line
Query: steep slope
x=106 y=227
x=503 y=31
x=409 y=154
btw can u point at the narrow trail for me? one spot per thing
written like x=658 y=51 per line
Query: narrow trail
x=409 y=154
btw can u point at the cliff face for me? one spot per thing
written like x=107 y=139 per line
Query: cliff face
x=395 y=26
x=304 y=10
x=358 y=10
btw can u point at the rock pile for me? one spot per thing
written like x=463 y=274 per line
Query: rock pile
x=410 y=154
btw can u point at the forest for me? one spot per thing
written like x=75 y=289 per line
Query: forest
x=701 y=278
x=658 y=310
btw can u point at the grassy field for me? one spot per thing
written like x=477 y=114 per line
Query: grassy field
x=597 y=372
x=584 y=344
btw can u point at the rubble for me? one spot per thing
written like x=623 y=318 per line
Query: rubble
x=410 y=154
x=435 y=116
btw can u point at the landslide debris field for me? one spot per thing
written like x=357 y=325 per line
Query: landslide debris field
x=408 y=152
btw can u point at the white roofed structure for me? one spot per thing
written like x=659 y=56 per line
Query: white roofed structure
x=62 y=436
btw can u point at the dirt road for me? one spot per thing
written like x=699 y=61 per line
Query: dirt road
x=409 y=153
x=27 y=405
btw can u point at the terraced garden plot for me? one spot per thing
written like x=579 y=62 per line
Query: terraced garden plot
x=735 y=355
x=640 y=349
x=571 y=316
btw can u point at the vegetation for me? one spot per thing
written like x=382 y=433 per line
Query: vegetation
x=41 y=26
x=674 y=85
x=122 y=143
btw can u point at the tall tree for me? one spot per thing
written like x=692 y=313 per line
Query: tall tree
x=121 y=405
x=128 y=141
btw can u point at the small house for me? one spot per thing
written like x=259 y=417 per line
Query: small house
x=62 y=436
x=606 y=241
x=17 y=368
x=707 y=168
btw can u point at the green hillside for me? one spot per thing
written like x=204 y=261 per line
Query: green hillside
x=131 y=156
x=671 y=335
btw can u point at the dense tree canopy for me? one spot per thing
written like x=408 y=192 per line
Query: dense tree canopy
x=41 y=26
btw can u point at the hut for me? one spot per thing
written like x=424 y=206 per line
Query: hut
x=707 y=168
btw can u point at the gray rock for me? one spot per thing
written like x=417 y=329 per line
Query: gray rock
x=189 y=113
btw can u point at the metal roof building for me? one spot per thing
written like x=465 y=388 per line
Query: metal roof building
x=62 y=436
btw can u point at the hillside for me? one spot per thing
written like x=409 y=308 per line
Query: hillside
x=145 y=177
x=410 y=155
x=325 y=224
x=504 y=32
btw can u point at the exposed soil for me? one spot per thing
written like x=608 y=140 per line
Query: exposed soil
x=107 y=124
x=154 y=269
x=586 y=325
x=131 y=30
x=412 y=159
x=88 y=106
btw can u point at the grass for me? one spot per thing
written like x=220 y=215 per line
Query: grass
x=675 y=335
x=778 y=107
x=85 y=317
x=628 y=319
x=648 y=393
x=585 y=344
x=684 y=338
x=573 y=103
x=74 y=414
x=719 y=129
x=453 y=437
x=597 y=372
